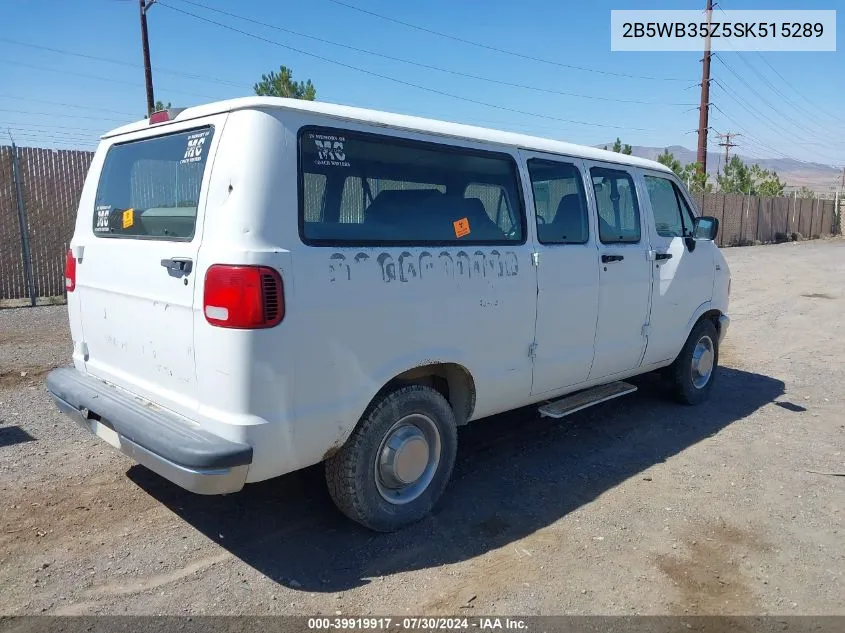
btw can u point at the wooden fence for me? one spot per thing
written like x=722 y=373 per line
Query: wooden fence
x=40 y=188
x=747 y=220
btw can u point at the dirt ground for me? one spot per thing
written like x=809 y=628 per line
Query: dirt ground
x=635 y=506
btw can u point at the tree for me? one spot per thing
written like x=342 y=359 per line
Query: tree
x=690 y=173
x=735 y=178
x=696 y=178
x=281 y=84
x=805 y=192
x=668 y=159
x=621 y=149
x=765 y=182
x=755 y=181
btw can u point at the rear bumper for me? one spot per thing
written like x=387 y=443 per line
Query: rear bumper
x=171 y=446
x=724 y=324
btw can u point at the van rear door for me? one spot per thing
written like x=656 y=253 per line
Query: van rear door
x=136 y=276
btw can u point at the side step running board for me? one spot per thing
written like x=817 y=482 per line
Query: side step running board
x=587 y=398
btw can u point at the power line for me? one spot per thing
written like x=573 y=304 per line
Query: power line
x=756 y=113
x=799 y=93
x=43 y=139
x=776 y=90
x=785 y=98
x=786 y=81
x=748 y=107
x=97 y=131
x=165 y=71
x=395 y=79
x=38 y=130
x=98 y=77
x=66 y=105
x=428 y=66
x=758 y=141
x=500 y=50
x=764 y=100
x=67 y=116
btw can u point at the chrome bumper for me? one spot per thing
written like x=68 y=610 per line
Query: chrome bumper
x=724 y=324
x=183 y=453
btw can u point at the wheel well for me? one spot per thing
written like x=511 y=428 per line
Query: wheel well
x=713 y=317
x=453 y=381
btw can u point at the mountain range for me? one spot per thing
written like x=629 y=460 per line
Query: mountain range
x=816 y=176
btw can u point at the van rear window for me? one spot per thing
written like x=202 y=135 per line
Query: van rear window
x=150 y=189
x=360 y=188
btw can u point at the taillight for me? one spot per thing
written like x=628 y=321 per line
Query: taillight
x=243 y=297
x=70 y=271
x=159 y=116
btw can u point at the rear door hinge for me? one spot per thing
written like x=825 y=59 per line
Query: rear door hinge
x=532 y=350
x=535 y=258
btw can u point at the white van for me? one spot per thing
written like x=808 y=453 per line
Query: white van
x=258 y=285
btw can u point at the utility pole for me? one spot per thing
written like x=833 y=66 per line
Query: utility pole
x=727 y=143
x=145 y=43
x=704 y=107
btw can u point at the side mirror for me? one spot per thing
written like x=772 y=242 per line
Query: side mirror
x=705 y=228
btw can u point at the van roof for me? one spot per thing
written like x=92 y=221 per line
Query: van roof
x=400 y=122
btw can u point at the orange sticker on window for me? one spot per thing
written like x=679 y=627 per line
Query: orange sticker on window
x=461 y=227
x=128 y=218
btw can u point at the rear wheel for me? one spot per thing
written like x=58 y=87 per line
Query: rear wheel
x=397 y=462
x=693 y=371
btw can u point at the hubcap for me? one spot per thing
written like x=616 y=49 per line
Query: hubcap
x=702 y=362
x=407 y=459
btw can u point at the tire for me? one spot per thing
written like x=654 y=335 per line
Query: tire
x=689 y=385
x=368 y=479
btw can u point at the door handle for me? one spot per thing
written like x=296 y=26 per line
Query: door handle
x=663 y=256
x=606 y=259
x=178 y=266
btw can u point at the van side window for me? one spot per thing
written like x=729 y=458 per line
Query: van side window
x=672 y=215
x=150 y=188
x=665 y=205
x=687 y=214
x=495 y=201
x=559 y=202
x=616 y=202
x=386 y=190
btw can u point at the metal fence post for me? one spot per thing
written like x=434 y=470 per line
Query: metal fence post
x=27 y=257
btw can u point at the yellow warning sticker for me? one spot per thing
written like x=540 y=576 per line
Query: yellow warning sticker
x=461 y=227
x=128 y=218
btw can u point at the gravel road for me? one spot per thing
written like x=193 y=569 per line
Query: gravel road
x=635 y=506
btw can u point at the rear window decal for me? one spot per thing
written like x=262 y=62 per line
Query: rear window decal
x=103 y=214
x=128 y=218
x=196 y=144
x=330 y=150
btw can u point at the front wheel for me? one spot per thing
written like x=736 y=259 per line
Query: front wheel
x=693 y=371
x=397 y=462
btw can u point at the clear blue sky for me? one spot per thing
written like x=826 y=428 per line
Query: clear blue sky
x=767 y=108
